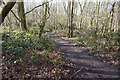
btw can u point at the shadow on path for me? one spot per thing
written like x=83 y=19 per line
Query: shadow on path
x=92 y=66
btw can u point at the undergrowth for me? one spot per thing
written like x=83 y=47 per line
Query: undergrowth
x=105 y=45
x=26 y=56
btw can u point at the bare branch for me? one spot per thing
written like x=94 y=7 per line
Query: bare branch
x=64 y=5
x=80 y=7
x=15 y=16
x=83 y=6
x=5 y=10
x=37 y=7
x=48 y=12
x=13 y=13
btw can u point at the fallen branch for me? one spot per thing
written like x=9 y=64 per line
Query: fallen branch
x=76 y=72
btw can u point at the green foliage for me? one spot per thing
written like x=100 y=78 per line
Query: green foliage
x=46 y=30
x=76 y=33
x=103 y=44
x=24 y=51
x=108 y=43
x=18 y=42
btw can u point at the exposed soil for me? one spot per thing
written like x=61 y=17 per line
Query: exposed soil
x=86 y=65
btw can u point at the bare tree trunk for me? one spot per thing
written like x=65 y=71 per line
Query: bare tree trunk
x=112 y=15
x=81 y=12
x=69 y=20
x=72 y=14
x=5 y=10
x=97 y=17
x=119 y=21
x=66 y=10
x=105 y=21
x=44 y=20
x=21 y=14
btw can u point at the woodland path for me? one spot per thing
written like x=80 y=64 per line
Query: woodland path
x=85 y=64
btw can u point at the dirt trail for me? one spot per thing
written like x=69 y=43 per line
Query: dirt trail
x=86 y=65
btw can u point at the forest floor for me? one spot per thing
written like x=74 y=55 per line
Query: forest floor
x=83 y=63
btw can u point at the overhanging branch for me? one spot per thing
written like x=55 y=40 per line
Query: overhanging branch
x=36 y=7
x=5 y=10
x=15 y=16
x=13 y=13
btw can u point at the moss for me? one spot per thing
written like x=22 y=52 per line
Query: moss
x=3 y=7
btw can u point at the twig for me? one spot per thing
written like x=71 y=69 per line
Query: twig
x=15 y=16
x=76 y=72
x=64 y=5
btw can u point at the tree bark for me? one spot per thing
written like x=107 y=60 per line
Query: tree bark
x=81 y=12
x=69 y=20
x=119 y=21
x=13 y=13
x=112 y=16
x=44 y=20
x=71 y=32
x=21 y=14
x=97 y=17
x=5 y=10
x=66 y=10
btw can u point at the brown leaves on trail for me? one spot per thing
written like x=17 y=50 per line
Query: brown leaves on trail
x=108 y=58
x=39 y=65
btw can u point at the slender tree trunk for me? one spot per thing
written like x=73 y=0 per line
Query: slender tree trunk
x=69 y=20
x=119 y=21
x=81 y=12
x=112 y=16
x=105 y=21
x=21 y=14
x=72 y=14
x=5 y=10
x=44 y=20
x=97 y=17
x=118 y=34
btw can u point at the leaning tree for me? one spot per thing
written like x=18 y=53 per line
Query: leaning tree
x=5 y=10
